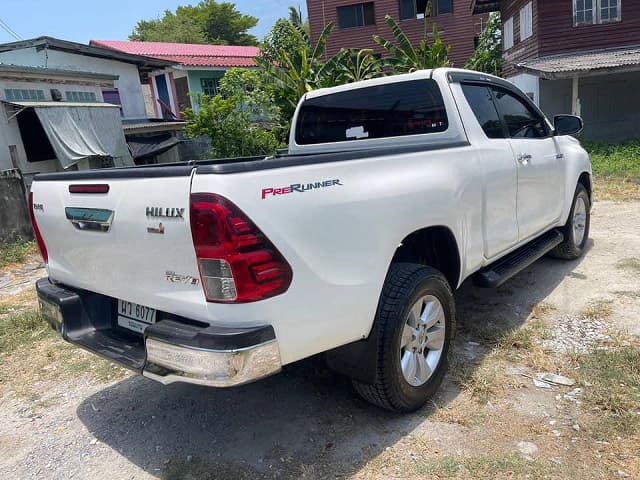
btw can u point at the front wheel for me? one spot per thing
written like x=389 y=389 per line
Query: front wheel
x=576 y=230
x=415 y=321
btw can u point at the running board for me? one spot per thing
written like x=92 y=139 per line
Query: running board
x=503 y=269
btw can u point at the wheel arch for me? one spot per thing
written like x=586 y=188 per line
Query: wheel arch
x=585 y=180
x=434 y=246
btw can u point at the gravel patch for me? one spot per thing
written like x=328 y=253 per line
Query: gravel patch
x=577 y=334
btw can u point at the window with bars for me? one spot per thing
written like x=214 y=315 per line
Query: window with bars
x=589 y=12
x=357 y=15
x=25 y=95
x=209 y=86
x=86 y=97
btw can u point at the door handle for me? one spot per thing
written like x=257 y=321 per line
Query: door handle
x=524 y=158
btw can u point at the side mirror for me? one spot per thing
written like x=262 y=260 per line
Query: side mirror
x=567 y=124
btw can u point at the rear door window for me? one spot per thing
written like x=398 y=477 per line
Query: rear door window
x=391 y=110
x=481 y=102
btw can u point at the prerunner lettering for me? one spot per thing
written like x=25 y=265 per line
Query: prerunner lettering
x=298 y=187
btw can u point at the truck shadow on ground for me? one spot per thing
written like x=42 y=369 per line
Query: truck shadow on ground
x=305 y=421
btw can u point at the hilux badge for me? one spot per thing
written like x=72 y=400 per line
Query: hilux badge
x=165 y=212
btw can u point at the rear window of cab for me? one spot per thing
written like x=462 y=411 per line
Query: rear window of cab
x=391 y=110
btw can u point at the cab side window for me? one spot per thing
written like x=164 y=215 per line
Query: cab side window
x=520 y=119
x=481 y=103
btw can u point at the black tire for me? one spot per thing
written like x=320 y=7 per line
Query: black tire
x=570 y=249
x=406 y=284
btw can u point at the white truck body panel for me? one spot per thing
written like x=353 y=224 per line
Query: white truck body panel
x=339 y=240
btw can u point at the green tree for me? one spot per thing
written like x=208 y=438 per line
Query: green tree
x=295 y=17
x=240 y=120
x=284 y=36
x=487 y=57
x=206 y=22
x=405 y=57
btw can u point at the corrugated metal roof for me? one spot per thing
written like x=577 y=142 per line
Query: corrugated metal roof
x=88 y=50
x=155 y=126
x=187 y=54
x=580 y=63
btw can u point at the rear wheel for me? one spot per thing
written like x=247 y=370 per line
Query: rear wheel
x=576 y=230
x=416 y=321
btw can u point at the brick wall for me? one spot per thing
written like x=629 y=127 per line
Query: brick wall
x=457 y=28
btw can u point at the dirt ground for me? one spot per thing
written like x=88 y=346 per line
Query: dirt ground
x=488 y=421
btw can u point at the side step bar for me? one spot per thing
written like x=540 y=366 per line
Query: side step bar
x=503 y=269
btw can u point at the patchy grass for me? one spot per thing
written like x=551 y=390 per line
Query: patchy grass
x=11 y=253
x=31 y=351
x=616 y=169
x=501 y=464
x=631 y=264
x=540 y=310
x=22 y=329
x=525 y=337
x=612 y=390
x=621 y=161
x=485 y=380
x=598 y=310
x=462 y=410
x=490 y=378
x=491 y=466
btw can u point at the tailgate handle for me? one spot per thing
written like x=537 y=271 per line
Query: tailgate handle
x=92 y=219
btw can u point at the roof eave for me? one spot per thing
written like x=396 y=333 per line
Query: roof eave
x=564 y=75
x=210 y=67
x=55 y=72
x=88 y=50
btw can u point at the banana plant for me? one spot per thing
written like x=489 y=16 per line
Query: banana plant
x=296 y=73
x=354 y=65
x=406 y=58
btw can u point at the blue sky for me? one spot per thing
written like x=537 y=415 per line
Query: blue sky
x=82 y=20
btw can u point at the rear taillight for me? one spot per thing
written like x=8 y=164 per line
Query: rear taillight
x=237 y=261
x=36 y=230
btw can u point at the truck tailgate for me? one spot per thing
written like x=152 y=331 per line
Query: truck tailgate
x=133 y=243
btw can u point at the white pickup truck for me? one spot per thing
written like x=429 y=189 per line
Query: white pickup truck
x=392 y=193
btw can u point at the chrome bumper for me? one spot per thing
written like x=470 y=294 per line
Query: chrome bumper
x=172 y=349
x=167 y=363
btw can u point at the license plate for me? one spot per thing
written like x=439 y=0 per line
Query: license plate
x=134 y=316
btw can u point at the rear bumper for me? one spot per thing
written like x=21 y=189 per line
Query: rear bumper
x=174 y=349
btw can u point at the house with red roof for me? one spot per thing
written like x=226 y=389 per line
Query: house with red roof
x=197 y=71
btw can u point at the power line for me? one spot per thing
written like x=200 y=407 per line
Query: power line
x=9 y=30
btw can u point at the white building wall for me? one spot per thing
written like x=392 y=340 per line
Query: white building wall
x=128 y=83
x=529 y=84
